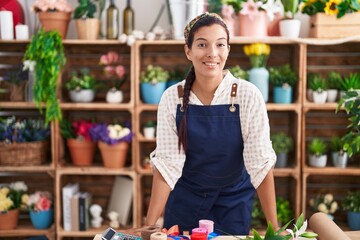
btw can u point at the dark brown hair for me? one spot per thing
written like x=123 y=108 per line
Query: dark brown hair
x=190 y=78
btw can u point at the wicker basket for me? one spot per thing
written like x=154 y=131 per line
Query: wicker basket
x=23 y=154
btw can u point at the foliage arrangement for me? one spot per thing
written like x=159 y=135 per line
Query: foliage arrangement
x=238 y=72
x=111 y=133
x=26 y=130
x=51 y=6
x=316 y=82
x=11 y=195
x=79 y=129
x=47 y=51
x=281 y=142
x=291 y=7
x=278 y=76
x=330 y=7
x=334 y=80
x=351 y=202
x=336 y=144
x=38 y=201
x=350 y=82
x=298 y=232
x=324 y=203
x=113 y=68
x=81 y=80
x=85 y=9
x=154 y=74
x=351 y=103
x=258 y=54
x=317 y=147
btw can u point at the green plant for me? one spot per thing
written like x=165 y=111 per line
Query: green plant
x=350 y=82
x=81 y=80
x=238 y=72
x=291 y=7
x=47 y=51
x=85 y=9
x=330 y=7
x=281 y=75
x=316 y=82
x=351 y=103
x=150 y=123
x=281 y=142
x=317 y=147
x=284 y=210
x=176 y=75
x=336 y=144
x=154 y=74
x=351 y=202
x=334 y=80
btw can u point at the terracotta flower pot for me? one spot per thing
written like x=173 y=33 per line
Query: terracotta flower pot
x=9 y=220
x=81 y=152
x=55 y=21
x=113 y=156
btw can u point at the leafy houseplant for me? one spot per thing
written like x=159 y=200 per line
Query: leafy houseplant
x=283 y=79
x=330 y=7
x=351 y=82
x=317 y=149
x=289 y=26
x=153 y=83
x=15 y=79
x=85 y=9
x=318 y=85
x=87 y=25
x=339 y=155
x=282 y=144
x=238 y=72
x=47 y=51
x=284 y=211
x=334 y=80
x=351 y=204
x=81 y=86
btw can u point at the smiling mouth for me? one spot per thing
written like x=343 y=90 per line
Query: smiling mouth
x=212 y=64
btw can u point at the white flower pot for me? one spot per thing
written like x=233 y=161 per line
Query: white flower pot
x=340 y=160
x=84 y=95
x=290 y=28
x=149 y=132
x=114 y=96
x=317 y=161
x=332 y=95
x=319 y=97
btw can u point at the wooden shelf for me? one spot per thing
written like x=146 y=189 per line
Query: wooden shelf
x=30 y=169
x=94 y=171
x=332 y=171
x=96 y=106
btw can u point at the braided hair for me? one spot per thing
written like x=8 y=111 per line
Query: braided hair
x=205 y=20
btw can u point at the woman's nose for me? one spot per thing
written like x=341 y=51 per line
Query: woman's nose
x=212 y=51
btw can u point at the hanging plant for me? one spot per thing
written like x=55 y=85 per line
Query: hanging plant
x=47 y=52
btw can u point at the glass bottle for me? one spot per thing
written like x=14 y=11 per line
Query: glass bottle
x=128 y=19
x=112 y=21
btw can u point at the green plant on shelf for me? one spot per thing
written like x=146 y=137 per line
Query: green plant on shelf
x=317 y=82
x=85 y=9
x=351 y=202
x=278 y=76
x=281 y=142
x=154 y=74
x=238 y=72
x=317 y=147
x=350 y=82
x=81 y=80
x=334 y=80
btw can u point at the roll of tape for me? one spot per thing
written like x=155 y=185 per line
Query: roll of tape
x=148 y=230
x=199 y=230
x=207 y=224
x=158 y=236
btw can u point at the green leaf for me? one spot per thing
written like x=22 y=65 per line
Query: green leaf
x=256 y=235
x=300 y=221
x=309 y=235
x=269 y=231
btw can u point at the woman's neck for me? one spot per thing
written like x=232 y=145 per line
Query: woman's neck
x=205 y=89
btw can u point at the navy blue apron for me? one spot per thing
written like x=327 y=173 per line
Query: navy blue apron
x=214 y=184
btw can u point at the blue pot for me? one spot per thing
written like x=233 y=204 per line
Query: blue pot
x=151 y=93
x=260 y=78
x=354 y=220
x=282 y=94
x=42 y=219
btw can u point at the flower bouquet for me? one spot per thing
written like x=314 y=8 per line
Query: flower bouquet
x=113 y=142
x=23 y=142
x=79 y=141
x=114 y=70
x=10 y=202
x=324 y=203
x=40 y=206
x=329 y=7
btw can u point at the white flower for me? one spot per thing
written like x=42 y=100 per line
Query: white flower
x=322 y=208
x=150 y=36
x=19 y=186
x=123 y=38
x=328 y=198
x=130 y=40
x=297 y=234
x=333 y=207
x=117 y=131
x=138 y=34
x=29 y=65
x=158 y=30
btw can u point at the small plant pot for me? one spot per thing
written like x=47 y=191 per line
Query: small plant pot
x=332 y=95
x=151 y=93
x=319 y=97
x=114 y=96
x=42 y=219
x=309 y=95
x=282 y=94
x=290 y=28
x=340 y=160
x=353 y=220
x=113 y=156
x=317 y=161
x=149 y=132
x=81 y=152
x=84 y=95
x=281 y=160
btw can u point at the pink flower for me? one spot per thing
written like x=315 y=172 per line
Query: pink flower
x=120 y=71
x=250 y=8
x=51 y=5
x=113 y=69
x=43 y=204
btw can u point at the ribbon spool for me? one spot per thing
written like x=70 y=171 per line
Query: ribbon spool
x=207 y=224
x=158 y=236
x=148 y=230
x=199 y=234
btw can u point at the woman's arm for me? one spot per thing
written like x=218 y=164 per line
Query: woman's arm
x=159 y=194
x=266 y=194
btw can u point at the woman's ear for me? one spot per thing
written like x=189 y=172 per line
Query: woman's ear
x=187 y=52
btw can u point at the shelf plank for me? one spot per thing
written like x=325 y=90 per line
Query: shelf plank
x=316 y=106
x=96 y=106
x=31 y=169
x=283 y=107
x=332 y=171
x=94 y=171
x=19 y=105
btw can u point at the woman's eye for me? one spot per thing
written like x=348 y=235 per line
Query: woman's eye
x=221 y=45
x=201 y=45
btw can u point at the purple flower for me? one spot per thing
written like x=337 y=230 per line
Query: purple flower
x=111 y=133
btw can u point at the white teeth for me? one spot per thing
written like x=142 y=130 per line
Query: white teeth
x=211 y=64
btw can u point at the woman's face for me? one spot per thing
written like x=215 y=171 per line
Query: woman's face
x=209 y=51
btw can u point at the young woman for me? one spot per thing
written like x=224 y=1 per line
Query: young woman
x=213 y=148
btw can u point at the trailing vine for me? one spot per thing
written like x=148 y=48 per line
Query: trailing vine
x=47 y=51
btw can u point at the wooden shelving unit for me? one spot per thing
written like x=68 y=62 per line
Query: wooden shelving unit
x=302 y=119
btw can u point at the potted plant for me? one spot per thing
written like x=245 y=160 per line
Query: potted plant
x=338 y=154
x=258 y=54
x=350 y=83
x=282 y=145
x=289 y=26
x=53 y=15
x=15 y=79
x=334 y=80
x=324 y=203
x=47 y=51
x=10 y=203
x=351 y=204
x=40 y=206
x=87 y=25
x=153 y=83
x=318 y=86
x=80 y=144
x=115 y=71
x=284 y=211
x=113 y=141
x=81 y=86
x=149 y=129
x=351 y=103
x=238 y=72
x=175 y=76
x=283 y=79
x=317 y=150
